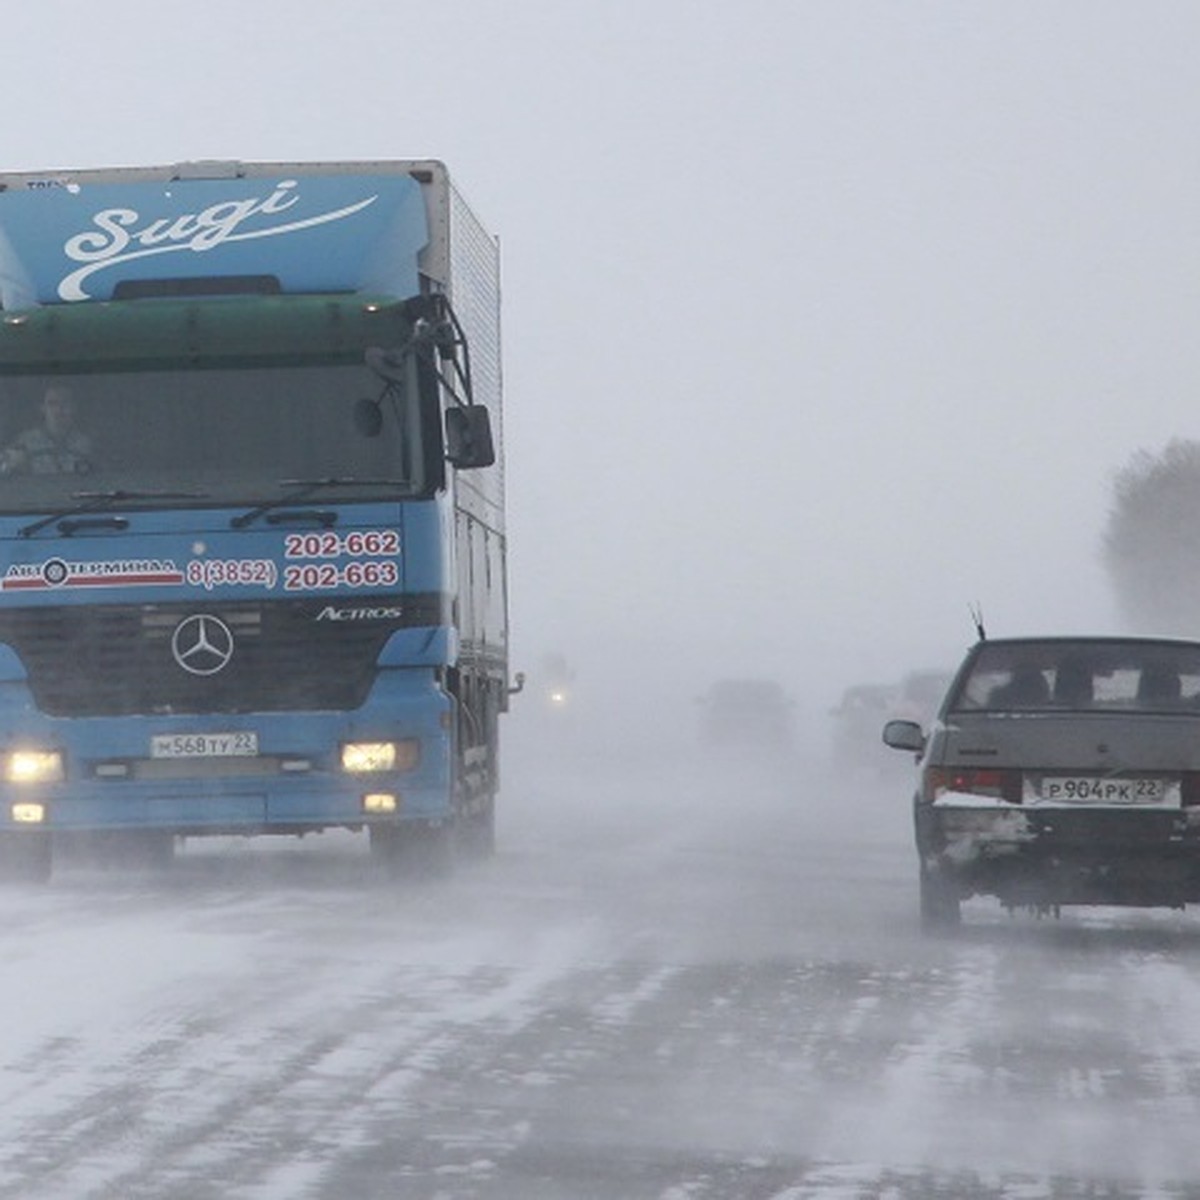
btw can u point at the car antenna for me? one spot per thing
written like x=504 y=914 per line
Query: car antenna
x=976 y=611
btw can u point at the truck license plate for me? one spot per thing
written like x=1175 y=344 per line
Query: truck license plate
x=204 y=745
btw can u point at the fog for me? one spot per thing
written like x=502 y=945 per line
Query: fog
x=822 y=320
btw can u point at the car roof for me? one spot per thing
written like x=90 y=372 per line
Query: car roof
x=747 y=694
x=870 y=689
x=1091 y=640
x=746 y=687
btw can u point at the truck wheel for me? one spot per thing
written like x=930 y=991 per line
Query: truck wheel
x=124 y=849
x=25 y=857
x=149 y=849
x=477 y=833
x=437 y=853
x=941 y=906
x=414 y=852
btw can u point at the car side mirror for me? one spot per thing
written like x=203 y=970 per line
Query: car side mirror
x=469 y=437
x=904 y=735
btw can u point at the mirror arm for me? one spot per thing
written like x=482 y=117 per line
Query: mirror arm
x=435 y=326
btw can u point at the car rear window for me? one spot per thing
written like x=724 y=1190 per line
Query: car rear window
x=1081 y=676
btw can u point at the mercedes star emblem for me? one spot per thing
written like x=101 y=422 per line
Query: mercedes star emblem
x=202 y=644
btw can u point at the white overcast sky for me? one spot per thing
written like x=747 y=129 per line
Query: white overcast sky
x=822 y=320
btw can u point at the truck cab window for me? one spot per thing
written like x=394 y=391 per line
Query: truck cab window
x=231 y=434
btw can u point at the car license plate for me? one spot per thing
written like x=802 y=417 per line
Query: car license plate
x=204 y=745
x=1099 y=789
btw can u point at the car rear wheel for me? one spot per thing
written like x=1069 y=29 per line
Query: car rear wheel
x=941 y=907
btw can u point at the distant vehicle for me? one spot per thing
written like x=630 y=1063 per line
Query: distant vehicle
x=747 y=712
x=1061 y=771
x=919 y=695
x=858 y=718
x=556 y=681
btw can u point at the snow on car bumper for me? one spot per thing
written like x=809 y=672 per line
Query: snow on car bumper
x=1077 y=854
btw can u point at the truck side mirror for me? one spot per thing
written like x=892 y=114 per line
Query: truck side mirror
x=469 y=437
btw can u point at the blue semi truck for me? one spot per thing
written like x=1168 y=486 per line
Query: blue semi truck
x=252 y=539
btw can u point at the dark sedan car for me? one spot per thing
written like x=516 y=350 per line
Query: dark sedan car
x=1061 y=771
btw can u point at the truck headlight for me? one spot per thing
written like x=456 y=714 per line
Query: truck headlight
x=361 y=757
x=33 y=766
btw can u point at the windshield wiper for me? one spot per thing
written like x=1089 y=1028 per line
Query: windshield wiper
x=97 y=500
x=306 y=487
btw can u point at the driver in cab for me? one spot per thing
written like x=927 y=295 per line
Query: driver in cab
x=55 y=447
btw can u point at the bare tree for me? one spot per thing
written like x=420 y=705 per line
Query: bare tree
x=1152 y=541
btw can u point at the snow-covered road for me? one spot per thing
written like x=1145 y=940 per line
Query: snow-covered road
x=677 y=982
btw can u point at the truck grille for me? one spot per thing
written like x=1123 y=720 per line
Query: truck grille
x=117 y=660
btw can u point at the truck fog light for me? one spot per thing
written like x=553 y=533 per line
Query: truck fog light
x=26 y=812
x=380 y=802
x=362 y=757
x=33 y=766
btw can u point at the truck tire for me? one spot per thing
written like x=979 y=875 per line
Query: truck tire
x=477 y=833
x=149 y=849
x=941 y=906
x=121 y=849
x=414 y=851
x=25 y=857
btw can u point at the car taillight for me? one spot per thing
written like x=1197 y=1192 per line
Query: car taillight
x=998 y=785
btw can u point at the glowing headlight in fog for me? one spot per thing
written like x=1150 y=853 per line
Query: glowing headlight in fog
x=33 y=766
x=27 y=813
x=359 y=757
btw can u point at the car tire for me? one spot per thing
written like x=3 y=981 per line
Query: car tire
x=941 y=906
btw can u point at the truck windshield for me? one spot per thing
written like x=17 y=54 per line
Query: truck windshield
x=230 y=436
